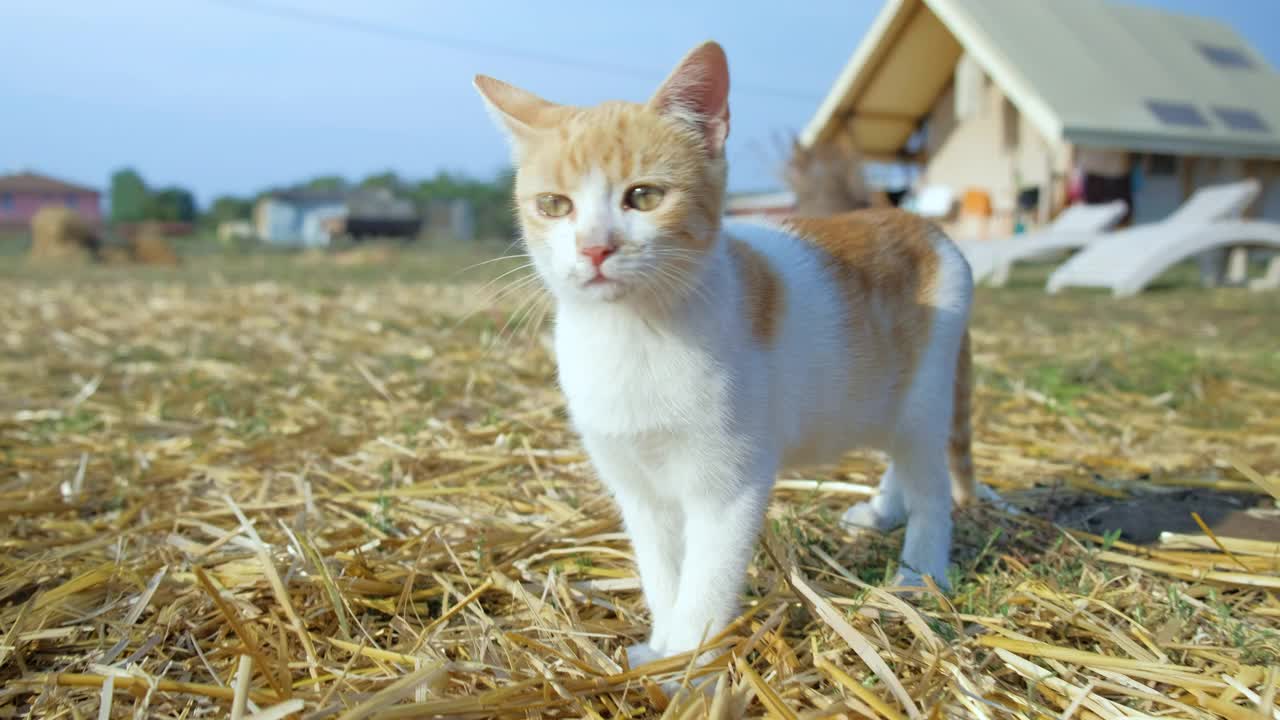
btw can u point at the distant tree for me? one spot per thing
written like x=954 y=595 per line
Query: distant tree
x=490 y=200
x=226 y=208
x=495 y=213
x=443 y=185
x=171 y=204
x=327 y=183
x=263 y=194
x=388 y=180
x=128 y=196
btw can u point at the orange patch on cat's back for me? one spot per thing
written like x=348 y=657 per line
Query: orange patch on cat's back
x=761 y=289
x=881 y=260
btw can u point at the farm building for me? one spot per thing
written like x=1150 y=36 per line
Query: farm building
x=299 y=218
x=23 y=194
x=309 y=218
x=377 y=212
x=452 y=218
x=1014 y=104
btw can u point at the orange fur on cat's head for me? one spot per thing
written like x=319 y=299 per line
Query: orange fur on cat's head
x=621 y=199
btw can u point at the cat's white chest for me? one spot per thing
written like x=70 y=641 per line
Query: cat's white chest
x=624 y=378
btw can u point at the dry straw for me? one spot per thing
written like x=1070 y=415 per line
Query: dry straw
x=258 y=501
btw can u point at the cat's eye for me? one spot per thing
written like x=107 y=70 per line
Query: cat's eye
x=643 y=197
x=554 y=206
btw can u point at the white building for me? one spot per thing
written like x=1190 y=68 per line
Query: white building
x=1010 y=97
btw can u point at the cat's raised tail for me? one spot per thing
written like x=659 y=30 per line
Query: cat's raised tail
x=960 y=447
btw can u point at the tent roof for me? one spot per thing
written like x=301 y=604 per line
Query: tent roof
x=1091 y=72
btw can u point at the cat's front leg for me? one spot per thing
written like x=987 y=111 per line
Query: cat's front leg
x=654 y=528
x=721 y=524
x=654 y=525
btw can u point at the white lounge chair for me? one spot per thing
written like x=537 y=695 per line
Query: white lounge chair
x=1074 y=228
x=1128 y=260
x=1270 y=279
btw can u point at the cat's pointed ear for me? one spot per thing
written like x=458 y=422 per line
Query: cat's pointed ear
x=697 y=92
x=518 y=113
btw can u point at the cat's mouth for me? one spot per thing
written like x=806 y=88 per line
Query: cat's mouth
x=598 y=277
x=603 y=287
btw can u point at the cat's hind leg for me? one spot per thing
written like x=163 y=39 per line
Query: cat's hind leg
x=928 y=429
x=925 y=486
x=884 y=512
x=914 y=491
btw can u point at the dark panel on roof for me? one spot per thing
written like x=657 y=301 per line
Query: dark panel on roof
x=1177 y=114
x=1242 y=119
x=1227 y=57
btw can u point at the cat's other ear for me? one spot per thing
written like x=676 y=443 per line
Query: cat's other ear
x=697 y=92
x=518 y=113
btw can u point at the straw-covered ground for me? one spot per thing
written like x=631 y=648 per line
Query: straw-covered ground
x=290 y=487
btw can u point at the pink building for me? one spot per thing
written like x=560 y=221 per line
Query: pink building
x=22 y=194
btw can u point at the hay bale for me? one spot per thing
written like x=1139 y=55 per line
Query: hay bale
x=59 y=234
x=115 y=255
x=149 y=246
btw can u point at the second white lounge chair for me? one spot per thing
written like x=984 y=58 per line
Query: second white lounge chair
x=1128 y=260
x=1075 y=227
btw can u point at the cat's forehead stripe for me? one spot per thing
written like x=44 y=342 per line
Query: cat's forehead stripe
x=623 y=139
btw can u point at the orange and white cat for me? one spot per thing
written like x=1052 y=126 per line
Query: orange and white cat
x=699 y=357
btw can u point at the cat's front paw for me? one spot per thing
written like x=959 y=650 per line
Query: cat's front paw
x=641 y=654
x=908 y=580
x=912 y=582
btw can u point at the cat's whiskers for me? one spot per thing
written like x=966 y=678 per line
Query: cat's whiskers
x=678 y=286
x=530 y=322
x=482 y=302
x=682 y=283
x=523 y=310
x=490 y=261
x=510 y=288
x=545 y=309
x=514 y=287
x=522 y=266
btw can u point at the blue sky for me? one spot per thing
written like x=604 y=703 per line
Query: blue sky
x=230 y=96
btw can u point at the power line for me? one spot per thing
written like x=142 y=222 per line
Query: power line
x=370 y=27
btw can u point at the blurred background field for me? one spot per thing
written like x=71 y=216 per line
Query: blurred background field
x=206 y=261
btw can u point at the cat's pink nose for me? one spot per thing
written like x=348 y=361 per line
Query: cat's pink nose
x=597 y=253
